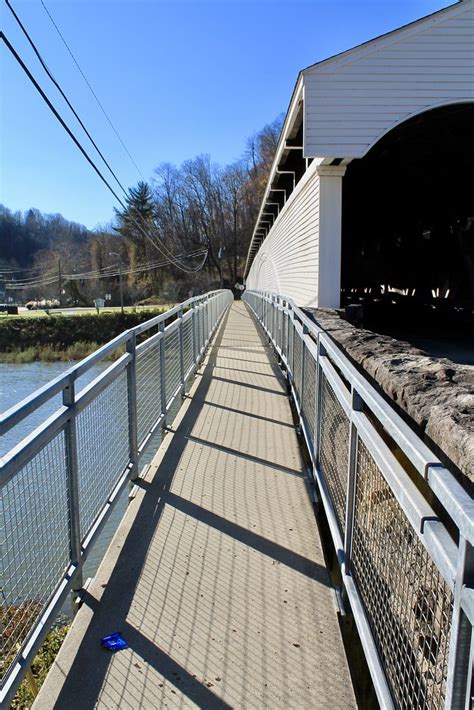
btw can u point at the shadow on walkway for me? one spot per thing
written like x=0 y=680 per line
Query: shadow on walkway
x=216 y=581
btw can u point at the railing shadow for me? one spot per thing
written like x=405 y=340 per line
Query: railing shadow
x=91 y=666
x=115 y=602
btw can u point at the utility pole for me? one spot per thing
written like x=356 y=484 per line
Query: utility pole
x=121 y=285
x=114 y=253
x=60 y=279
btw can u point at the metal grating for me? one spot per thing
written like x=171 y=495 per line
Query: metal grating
x=203 y=326
x=148 y=390
x=102 y=447
x=34 y=537
x=267 y=314
x=188 y=345
x=35 y=509
x=284 y=334
x=297 y=350
x=206 y=321
x=279 y=328
x=309 y=392
x=291 y=337
x=197 y=330
x=334 y=448
x=408 y=603
x=172 y=365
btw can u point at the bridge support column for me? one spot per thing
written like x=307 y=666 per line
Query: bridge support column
x=330 y=218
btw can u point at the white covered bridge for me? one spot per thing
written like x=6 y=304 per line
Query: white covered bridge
x=375 y=139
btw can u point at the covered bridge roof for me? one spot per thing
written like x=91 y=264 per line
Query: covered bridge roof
x=342 y=106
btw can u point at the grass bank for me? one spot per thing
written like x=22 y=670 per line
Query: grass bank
x=78 y=312
x=62 y=338
x=48 y=353
x=15 y=621
x=44 y=659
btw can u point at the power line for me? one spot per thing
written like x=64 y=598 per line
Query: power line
x=163 y=249
x=107 y=271
x=61 y=121
x=91 y=89
x=56 y=84
x=104 y=272
x=53 y=277
x=160 y=247
x=37 y=267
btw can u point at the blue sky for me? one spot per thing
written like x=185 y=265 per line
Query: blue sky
x=177 y=78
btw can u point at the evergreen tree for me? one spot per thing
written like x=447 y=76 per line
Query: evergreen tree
x=137 y=220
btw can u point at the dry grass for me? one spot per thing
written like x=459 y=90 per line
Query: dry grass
x=48 y=353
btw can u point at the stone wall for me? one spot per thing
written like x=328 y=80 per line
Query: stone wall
x=436 y=393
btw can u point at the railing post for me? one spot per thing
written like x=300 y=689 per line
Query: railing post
x=181 y=349
x=206 y=320
x=198 y=333
x=303 y=358
x=318 y=403
x=351 y=482
x=72 y=478
x=458 y=691
x=132 y=406
x=288 y=323
x=272 y=315
x=291 y=323
x=278 y=326
x=193 y=329
x=163 y=375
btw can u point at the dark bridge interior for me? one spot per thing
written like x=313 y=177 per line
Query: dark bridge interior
x=408 y=219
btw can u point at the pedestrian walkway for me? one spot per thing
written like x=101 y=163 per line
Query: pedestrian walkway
x=216 y=577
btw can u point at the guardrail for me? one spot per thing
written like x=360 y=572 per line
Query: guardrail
x=389 y=504
x=60 y=483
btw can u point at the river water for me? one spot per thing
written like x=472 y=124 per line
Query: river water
x=17 y=382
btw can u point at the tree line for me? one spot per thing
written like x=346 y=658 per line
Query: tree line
x=186 y=230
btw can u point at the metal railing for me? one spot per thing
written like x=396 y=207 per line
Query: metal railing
x=389 y=504
x=60 y=483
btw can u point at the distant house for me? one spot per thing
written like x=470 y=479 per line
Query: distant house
x=374 y=166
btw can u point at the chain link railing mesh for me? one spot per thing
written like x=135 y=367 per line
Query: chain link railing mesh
x=408 y=603
x=102 y=448
x=35 y=503
x=284 y=335
x=291 y=337
x=334 y=448
x=203 y=326
x=148 y=370
x=309 y=392
x=197 y=329
x=279 y=328
x=188 y=345
x=206 y=322
x=172 y=364
x=266 y=311
x=297 y=349
x=30 y=572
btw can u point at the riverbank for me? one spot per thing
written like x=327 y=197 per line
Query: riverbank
x=48 y=353
x=62 y=338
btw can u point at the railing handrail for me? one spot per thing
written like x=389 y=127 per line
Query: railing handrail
x=16 y=413
x=173 y=354
x=458 y=503
x=297 y=339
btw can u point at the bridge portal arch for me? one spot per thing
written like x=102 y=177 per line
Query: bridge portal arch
x=408 y=210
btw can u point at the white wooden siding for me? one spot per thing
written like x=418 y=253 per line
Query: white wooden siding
x=287 y=261
x=351 y=101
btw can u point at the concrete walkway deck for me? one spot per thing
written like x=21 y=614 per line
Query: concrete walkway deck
x=216 y=577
